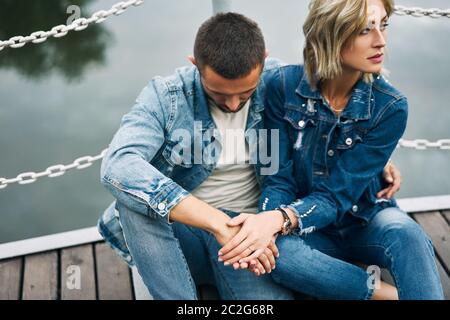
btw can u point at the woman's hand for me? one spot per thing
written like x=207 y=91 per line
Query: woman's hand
x=393 y=177
x=264 y=264
x=256 y=235
x=266 y=261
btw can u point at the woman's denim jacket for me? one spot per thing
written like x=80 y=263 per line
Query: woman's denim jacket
x=140 y=168
x=330 y=167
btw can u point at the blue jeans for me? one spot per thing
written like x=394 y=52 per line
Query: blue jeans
x=318 y=264
x=173 y=258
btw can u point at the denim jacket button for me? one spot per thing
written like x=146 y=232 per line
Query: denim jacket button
x=348 y=141
x=355 y=208
x=161 y=206
x=301 y=124
x=330 y=153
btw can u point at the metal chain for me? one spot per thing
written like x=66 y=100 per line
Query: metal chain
x=422 y=144
x=62 y=29
x=53 y=171
x=87 y=161
x=120 y=7
x=420 y=12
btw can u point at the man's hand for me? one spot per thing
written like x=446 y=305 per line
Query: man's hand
x=257 y=234
x=393 y=177
x=196 y=213
x=225 y=234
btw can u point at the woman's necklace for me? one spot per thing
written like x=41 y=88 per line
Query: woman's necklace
x=336 y=110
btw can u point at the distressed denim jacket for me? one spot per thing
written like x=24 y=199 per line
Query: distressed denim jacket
x=330 y=167
x=143 y=168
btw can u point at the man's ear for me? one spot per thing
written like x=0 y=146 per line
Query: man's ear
x=266 y=53
x=192 y=60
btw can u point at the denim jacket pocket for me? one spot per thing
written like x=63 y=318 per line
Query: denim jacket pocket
x=348 y=137
x=301 y=125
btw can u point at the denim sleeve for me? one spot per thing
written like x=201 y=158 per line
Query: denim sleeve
x=280 y=186
x=351 y=176
x=126 y=170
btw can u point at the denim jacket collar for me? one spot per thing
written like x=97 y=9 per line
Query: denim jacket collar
x=256 y=106
x=359 y=103
x=201 y=108
x=257 y=101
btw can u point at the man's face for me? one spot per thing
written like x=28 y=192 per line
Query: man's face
x=230 y=95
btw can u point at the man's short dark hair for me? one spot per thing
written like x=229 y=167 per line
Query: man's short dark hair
x=231 y=44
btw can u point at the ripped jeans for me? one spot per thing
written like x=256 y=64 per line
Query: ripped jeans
x=318 y=264
x=173 y=258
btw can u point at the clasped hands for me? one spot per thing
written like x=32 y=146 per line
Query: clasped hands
x=249 y=239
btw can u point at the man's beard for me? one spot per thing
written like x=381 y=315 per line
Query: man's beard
x=225 y=109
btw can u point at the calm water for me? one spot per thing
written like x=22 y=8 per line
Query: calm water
x=65 y=98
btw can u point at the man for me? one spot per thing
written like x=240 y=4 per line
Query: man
x=185 y=160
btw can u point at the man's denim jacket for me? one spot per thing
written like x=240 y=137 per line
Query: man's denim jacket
x=330 y=167
x=143 y=170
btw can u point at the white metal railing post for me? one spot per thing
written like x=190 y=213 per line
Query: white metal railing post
x=221 y=6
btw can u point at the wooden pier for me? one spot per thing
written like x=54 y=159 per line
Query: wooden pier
x=42 y=268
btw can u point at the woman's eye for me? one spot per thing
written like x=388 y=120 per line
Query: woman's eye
x=365 y=31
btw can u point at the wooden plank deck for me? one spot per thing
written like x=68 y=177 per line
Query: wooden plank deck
x=48 y=275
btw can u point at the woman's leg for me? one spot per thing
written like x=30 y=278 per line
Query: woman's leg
x=394 y=241
x=314 y=265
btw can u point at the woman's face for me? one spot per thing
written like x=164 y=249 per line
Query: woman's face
x=366 y=52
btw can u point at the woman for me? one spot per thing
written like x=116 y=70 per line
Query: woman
x=339 y=121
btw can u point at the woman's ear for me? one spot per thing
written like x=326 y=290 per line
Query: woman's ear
x=192 y=60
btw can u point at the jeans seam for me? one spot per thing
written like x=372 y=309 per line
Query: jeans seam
x=394 y=273
x=186 y=265
x=370 y=290
x=369 y=294
x=391 y=259
x=224 y=280
x=125 y=240
x=219 y=272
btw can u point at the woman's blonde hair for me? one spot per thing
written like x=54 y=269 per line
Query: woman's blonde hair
x=330 y=25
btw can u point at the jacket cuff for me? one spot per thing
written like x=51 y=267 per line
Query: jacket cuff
x=167 y=198
x=303 y=211
x=269 y=203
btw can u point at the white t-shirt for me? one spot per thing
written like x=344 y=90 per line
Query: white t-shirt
x=232 y=185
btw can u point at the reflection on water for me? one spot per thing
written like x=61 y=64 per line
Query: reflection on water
x=69 y=56
x=46 y=118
